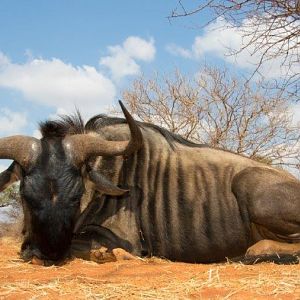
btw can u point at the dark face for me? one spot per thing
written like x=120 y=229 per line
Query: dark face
x=51 y=191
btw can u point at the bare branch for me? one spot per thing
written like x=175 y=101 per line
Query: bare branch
x=270 y=29
x=220 y=110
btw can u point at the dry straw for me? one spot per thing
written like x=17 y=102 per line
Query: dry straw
x=143 y=279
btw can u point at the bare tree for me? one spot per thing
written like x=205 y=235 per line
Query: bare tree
x=269 y=27
x=219 y=110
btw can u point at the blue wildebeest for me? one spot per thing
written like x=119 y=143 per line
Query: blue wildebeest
x=115 y=183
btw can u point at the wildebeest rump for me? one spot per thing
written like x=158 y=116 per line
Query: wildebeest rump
x=148 y=191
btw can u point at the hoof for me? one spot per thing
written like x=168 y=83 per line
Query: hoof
x=263 y=247
x=102 y=255
x=37 y=261
x=121 y=254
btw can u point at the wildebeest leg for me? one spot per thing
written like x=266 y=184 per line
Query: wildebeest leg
x=272 y=201
x=99 y=244
x=102 y=255
x=97 y=253
x=273 y=247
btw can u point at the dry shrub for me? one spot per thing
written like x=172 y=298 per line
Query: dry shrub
x=13 y=227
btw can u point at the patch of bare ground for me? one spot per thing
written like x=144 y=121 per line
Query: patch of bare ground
x=143 y=279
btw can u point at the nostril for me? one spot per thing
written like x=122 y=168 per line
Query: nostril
x=36 y=261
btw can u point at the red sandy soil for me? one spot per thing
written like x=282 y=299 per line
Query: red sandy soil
x=143 y=279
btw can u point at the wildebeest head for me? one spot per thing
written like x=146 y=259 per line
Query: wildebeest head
x=52 y=185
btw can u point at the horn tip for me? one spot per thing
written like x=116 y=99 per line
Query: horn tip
x=122 y=106
x=125 y=111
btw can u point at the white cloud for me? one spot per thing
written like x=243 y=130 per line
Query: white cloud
x=139 y=48
x=120 y=63
x=220 y=38
x=4 y=61
x=179 y=51
x=121 y=60
x=59 y=85
x=63 y=86
x=11 y=122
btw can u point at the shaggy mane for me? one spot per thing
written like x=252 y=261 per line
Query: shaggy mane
x=65 y=125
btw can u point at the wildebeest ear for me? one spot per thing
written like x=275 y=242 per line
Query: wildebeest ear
x=105 y=186
x=12 y=174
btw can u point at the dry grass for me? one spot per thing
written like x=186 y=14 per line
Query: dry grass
x=143 y=279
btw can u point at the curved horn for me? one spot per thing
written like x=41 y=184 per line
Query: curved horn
x=82 y=146
x=136 y=140
x=20 y=148
x=104 y=185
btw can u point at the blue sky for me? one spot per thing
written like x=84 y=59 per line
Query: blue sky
x=77 y=33
x=58 y=54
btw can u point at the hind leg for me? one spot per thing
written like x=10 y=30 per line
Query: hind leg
x=272 y=201
x=270 y=247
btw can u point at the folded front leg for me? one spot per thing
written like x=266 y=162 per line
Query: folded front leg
x=99 y=244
